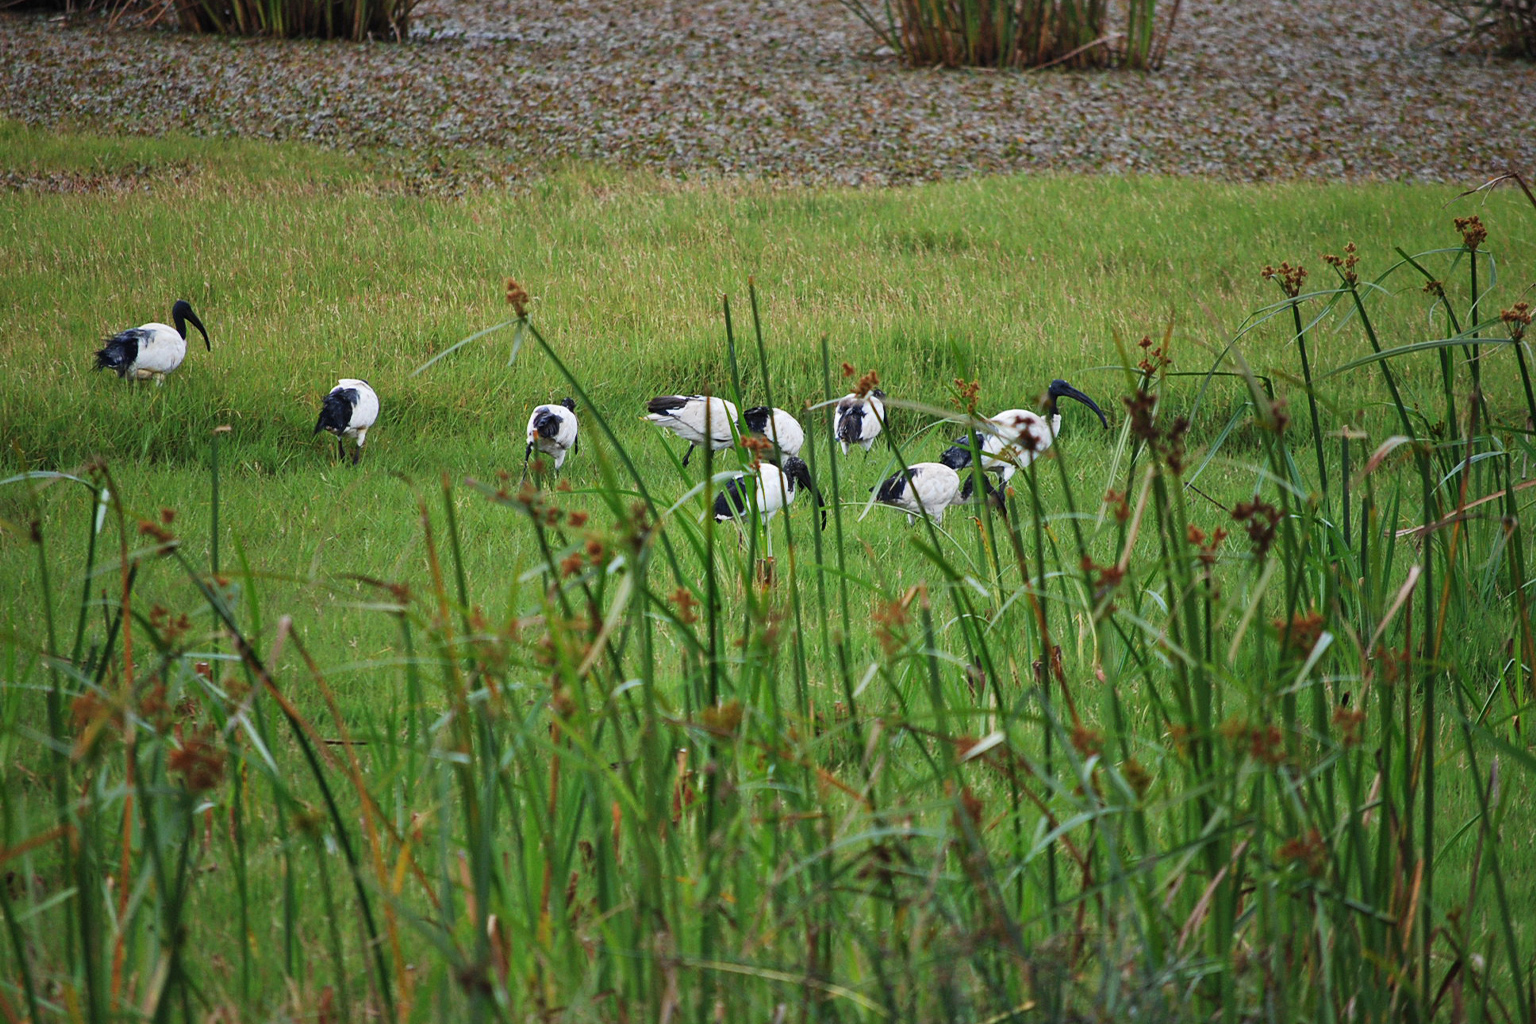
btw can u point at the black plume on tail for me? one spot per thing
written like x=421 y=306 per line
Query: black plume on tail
x=547 y=424
x=336 y=412
x=850 y=429
x=119 y=352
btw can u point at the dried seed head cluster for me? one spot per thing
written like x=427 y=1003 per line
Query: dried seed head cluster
x=1166 y=443
x=723 y=719
x=1288 y=277
x=1435 y=288
x=1137 y=776
x=1345 y=264
x=1517 y=318
x=1118 y=505
x=1279 y=415
x=1087 y=742
x=1262 y=742
x=866 y=384
x=160 y=531
x=1107 y=577
x=890 y=619
x=1300 y=635
x=965 y=394
x=199 y=760
x=685 y=603
x=171 y=630
x=1205 y=546
x=1349 y=723
x=757 y=446
x=517 y=298
x=1308 y=850
x=1261 y=519
x=1153 y=360
x=848 y=370
x=1473 y=234
x=1390 y=664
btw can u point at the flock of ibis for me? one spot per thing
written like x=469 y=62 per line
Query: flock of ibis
x=1006 y=443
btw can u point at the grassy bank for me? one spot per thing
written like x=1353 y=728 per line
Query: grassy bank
x=576 y=792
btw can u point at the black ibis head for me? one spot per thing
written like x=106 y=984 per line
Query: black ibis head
x=877 y=393
x=569 y=403
x=1061 y=389
x=799 y=475
x=181 y=313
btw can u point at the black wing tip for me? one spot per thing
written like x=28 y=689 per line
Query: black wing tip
x=665 y=403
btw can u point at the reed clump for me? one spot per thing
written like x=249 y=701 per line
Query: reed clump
x=1020 y=33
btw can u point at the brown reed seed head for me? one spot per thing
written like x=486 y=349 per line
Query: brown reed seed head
x=1308 y=850
x=1303 y=632
x=848 y=370
x=1152 y=359
x=1435 y=288
x=1137 y=776
x=685 y=603
x=1517 y=318
x=1349 y=723
x=517 y=298
x=1107 y=577
x=890 y=620
x=1260 y=519
x=1118 y=503
x=965 y=394
x=199 y=760
x=1473 y=234
x=724 y=719
x=1087 y=742
x=866 y=384
x=1289 y=278
x=1142 y=406
x=1345 y=264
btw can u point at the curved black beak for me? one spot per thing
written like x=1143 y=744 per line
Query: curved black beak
x=802 y=475
x=1061 y=389
x=182 y=313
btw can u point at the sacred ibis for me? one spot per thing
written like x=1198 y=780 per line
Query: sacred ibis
x=348 y=411
x=552 y=430
x=695 y=419
x=859 y=419
x=929 y=487
x=777 y=426
x=152 y=350
x=776 y=489
x=1013 y=438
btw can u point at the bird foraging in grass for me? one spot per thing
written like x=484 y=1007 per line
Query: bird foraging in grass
x=859 y=418
x=697 y=419
x=348 y=411
x=1013 y=438
x=777 y=426
x=925 y=488
x=152 y=350
x=775 y=491
x=552 y=430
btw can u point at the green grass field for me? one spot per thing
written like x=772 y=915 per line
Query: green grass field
x=571 y=803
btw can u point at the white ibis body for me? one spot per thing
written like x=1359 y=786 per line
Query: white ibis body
x=925 y=487
x=152 y=350
x=775 y=491
x=552 y=430
x=348 y=411
x=777 y=426
x=859 y=420
x=1013 y=438
x=697 y=419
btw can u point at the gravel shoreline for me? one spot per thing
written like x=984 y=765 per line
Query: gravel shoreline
x=793 y=91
